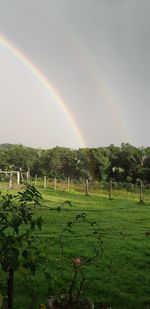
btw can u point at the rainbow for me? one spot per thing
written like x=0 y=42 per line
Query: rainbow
x=4 y=42
x=103 y=89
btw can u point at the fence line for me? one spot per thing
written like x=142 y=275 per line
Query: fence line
x=71 y=184
x=88 y=234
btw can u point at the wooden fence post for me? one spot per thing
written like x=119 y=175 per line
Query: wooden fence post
x=55 y=183
x=22 y=177
x=87 y=187
x=44 y=182
x=28 y=176
x=68 y=184
x=110 y=189
x=35 y=179
x=141 y=192
x=10 y=181
x=18 y=178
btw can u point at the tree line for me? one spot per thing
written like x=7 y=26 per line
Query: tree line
x=125 y=163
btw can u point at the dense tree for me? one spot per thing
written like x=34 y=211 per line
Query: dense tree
x=98 y=162
x=16 y=157
x=125 y=163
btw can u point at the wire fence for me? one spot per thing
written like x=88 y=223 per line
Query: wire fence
x=117 y=190
x=130 y=223
x=117 y=227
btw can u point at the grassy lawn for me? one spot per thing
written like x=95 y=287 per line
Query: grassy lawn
x=120 y=277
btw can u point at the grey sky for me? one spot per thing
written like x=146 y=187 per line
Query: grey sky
x=96 y=54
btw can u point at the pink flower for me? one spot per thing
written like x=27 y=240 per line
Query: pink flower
x=77 y=261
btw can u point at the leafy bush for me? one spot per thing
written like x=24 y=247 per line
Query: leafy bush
x=16 y=225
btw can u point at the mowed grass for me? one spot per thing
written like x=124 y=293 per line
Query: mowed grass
x=120 y=277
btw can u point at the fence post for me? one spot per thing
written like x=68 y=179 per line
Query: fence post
x=28 y=175
x=141 y=192
x=10 y=181
x=21 y=175
x=35 y=179
x=87 y=187
x=55 y=183
x=44 y=182
x=18 y=178
x=110 y=189
x=68 y=184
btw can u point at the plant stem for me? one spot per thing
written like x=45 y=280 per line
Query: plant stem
x=10 y=287
x=73 y=282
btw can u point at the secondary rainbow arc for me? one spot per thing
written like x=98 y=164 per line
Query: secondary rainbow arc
x=44 y=81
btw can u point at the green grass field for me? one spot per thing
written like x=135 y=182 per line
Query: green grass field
x=120 y=277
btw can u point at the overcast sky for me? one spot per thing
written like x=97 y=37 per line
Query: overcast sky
x=96 y=53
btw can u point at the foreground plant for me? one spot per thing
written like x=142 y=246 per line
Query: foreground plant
x=72 y=295
x=68 y=288
x=17 y=222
